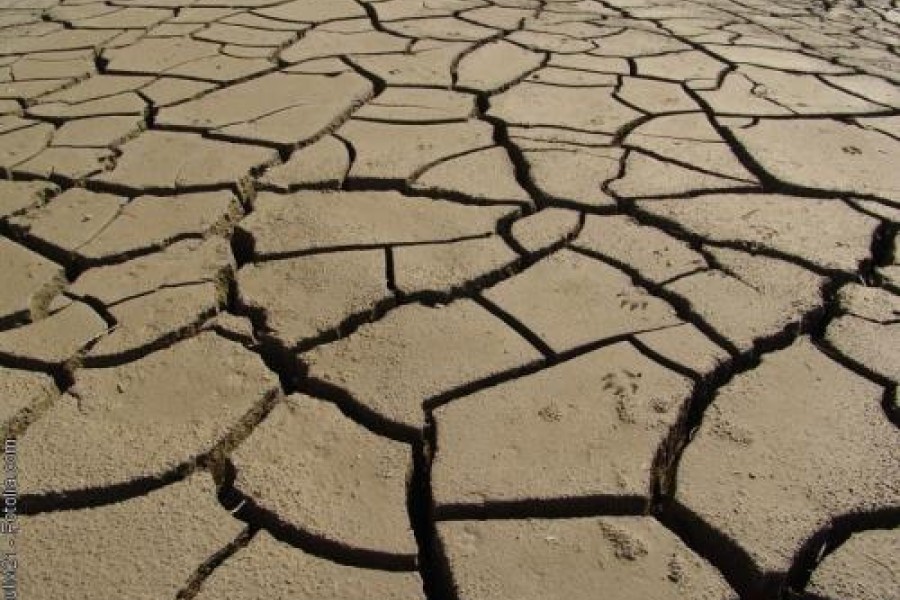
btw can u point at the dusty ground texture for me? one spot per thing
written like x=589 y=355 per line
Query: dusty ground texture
x=452 y=299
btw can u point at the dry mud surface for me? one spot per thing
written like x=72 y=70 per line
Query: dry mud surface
x=452 y=299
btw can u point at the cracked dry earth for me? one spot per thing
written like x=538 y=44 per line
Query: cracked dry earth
x=452 y=299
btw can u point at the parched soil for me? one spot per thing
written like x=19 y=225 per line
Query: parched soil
x=450 y=299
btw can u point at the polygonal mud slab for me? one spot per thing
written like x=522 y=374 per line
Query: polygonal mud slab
x=739 y=95
x=784 y=451
x=427 y=62
x=646 y=176
x=143 y=548
x=163 y=161
x=654 y=255
x=29 y=282
x=311 y=11
x=776 y=58
x=146 y=419
x=495 y=65
x=96 y=227
x=389 y=368
x=634 y=42
x=690 y=140
x=686 y=346
x=451 y=267
x=654 y=97
x=22 y=143
x=97 y=96
x=591 y=109
x=313 y=469
x=869 y=332
x=348 y=38
x=417 y=105
x=151 y=321
x=23 y=390
x=873 y=88
x=53 y=340
x=282 y=225
x=803 y=94
x=487 y=175
x=690 y=66
x=824 y=154
x=150 y=223
x=281 y=108
x=322 y=164
x=573 y=177
x=305 y=298
x=97 y=132
x=825 y=233
x=17 y=196
x=401 y=151
x=63 y=39
x=183 y=57
x=629 y=558
x=555 y=138
x=870 y=303
x=571 y=77
x=185 y=262
x=584 y=432
x=545 y=228
x=570 y=300
x=267 y=568
x=440 y=28
x=865 y=567
x=755 y=298
x=549 y=42
x=72 y=164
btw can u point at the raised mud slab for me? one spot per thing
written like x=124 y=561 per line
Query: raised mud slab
x=451 y=299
